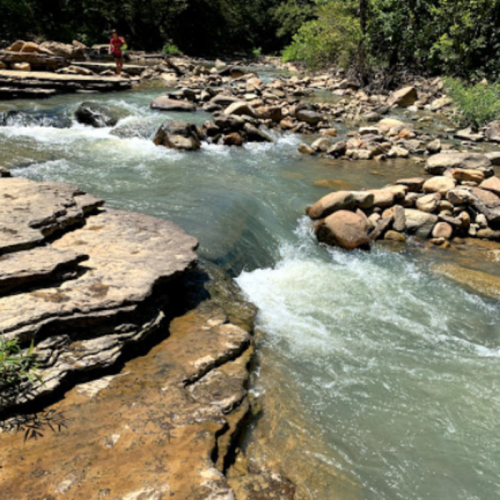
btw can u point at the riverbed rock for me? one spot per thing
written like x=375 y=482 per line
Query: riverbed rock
x=21 y=66
x=438 y=164
x=439 y=184
x=308 y=116
x=429 y=203
x=241 y=109
x=333 y=202
x=467 y=175
x=344 y=229
x=419 y=223
x=414 y=184
x=492 y=132
x=469 y=135
x=494 y=157
x=492 y=184
x=382 y=198
x=403 y=98
x=254 y=134
x=178 y=135
x=96 y=114
x=166 y=104
x=442 y=230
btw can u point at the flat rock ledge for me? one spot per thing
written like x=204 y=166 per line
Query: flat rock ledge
x=79 y=281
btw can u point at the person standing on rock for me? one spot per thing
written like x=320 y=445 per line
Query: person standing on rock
x=116 y=47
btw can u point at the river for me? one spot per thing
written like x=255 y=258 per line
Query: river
x=377 y=378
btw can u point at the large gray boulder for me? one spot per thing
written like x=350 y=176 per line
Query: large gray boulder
x=419 y=223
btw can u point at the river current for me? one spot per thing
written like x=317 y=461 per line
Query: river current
x=378 y=378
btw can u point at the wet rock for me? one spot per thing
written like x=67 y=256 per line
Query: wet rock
x=338 y=149
x=224 y=100
x=479 y=282
x=253 y=134
x=419 y=223
x=404 y=97
x=439 y=184
x=321 y=145
x=229 y=123
x=165 y=104
x=364 y=199
x=97 y=115
x=333 y=202
x=459 y=197
x=233 y=139
x=178 y=135
x=441 y=162
x=263 y=487
x=394 y=236
x=305 y=149
x=387 y=124
x=344 y=229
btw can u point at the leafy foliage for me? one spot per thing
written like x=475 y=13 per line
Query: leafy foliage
x=459 y=37
x=16 y=365
x=478 y=104
x=171 y=49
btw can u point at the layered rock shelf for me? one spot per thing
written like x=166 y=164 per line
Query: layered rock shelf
x=79 y=281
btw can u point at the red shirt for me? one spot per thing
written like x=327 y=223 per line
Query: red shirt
x=116 y=46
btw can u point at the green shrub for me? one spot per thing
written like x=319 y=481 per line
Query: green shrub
x=16 y=365
x=333 y=37
x=257 y=52
x=477 y=104
x=171 y=49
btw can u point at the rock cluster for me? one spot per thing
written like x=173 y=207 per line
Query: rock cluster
x=78 y=281
x=461 y=199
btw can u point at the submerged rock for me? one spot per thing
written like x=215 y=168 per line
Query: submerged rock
x=96 y=114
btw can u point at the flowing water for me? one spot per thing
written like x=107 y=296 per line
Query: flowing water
x=378 y=379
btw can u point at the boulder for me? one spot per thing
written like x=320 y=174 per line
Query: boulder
x=492 y=132
x=224 y=100
x=254 y=134
x=414 y=184
x=419 y=223
x=397 y=214
x=333 y=202
x=403 y=98
x=344 y=229
x=178 y=135
x=442 y=230
x=434 y=146
x=364 y=199
x=440 y=103
x=459 y=196
x=492 y=184
x=229 y=123
x=438 y=164
x=469 y=135
x=30 y=47
x=321 y=145
x=233 y=139
x=382 y=198
x=311 y=117
x=466 y=175
x=59 y=49
x=241 y=109
x=305 y=149
x=429 y=203
x=96 y=114
x=439 y=184
x=165 y=104
x=494 y=157
x=389 y=123
x=338 y=149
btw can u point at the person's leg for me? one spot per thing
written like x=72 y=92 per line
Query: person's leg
x=120 y=66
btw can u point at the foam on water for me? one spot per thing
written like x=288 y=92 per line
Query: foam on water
x=383 y=351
